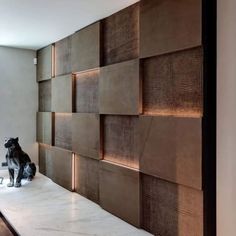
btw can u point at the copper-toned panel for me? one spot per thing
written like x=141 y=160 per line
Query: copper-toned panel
x=120 y=192
x=86 y=92
x=87 y=177
x=62 y=93
x=121 y=36
x=120 y=140
x=45 y=96
x=168 y=26
x=45 y=160
x=63 y=56
x=63 y=132
x=170 y=209
x=85 y=134
x=171 y=148
x=86 y=48
x=173 y=84
x=119 y=89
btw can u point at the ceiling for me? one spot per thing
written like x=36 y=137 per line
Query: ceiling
x=33 y=24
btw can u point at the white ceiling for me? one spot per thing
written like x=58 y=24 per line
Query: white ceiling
x=33 y=24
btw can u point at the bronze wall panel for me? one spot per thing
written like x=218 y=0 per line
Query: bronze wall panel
x=173 y=84
x=120 y=192
x=45 y=157
x=168 y=25
x=45 y=97
x=171 y=148
x=121 y=36
x=86 y=134
x=86 y=92
x=87 y=177
x=119 y=89
x=170 y=209
x=63 y=130
x=86 y=48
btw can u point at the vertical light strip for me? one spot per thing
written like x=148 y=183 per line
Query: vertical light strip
x=53 y=60
x=73 y=172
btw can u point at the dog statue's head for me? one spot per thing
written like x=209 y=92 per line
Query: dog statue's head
x=11 y=142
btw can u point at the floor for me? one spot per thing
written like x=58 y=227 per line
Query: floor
x=4 y=231
x=41 y=207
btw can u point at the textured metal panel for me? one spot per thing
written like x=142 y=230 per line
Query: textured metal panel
x=63 y=130
x=120 y=140
x=173 y=84
x=120 y=192
x=86 y=48
x=169 y=25
x=45 y=156
x=62 y=93
x=86 y=92
x=45 y=97
x=171 y=148
x=87 y=177
x=121 y=36
x=171 y=210
x=119 y=89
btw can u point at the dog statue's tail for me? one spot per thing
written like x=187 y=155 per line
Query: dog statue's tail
x=29 y=171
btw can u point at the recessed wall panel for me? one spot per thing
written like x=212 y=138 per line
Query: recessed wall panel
x=45 y=156
x=45 y=96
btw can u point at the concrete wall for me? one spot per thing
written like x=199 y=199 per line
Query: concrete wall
x=18 y=99
x=226 y=119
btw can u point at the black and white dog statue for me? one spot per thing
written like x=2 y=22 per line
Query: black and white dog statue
x=19 y=163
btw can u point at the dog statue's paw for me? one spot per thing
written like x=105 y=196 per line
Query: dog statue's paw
x=11 y=184
x=30 y=178
x=17 y=185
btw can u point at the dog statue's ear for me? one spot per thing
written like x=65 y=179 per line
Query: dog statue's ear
x=17 y=139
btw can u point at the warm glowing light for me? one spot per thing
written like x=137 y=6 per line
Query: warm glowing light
x=94 y=70
x=120 y=165
x=73 y=171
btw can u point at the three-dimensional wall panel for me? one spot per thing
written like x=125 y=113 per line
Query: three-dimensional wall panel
x=119 y=89
x=121 y=36
x=63 y=130
x=170 y=209
x=168 y=26
x=45 y=127
x=120 y=192
x=62 y=93
x=45 y=154
x=86 y=91
x=172 y=84
x=171 y=148
x=45 y=97
x=86 y=48
x=87 y=177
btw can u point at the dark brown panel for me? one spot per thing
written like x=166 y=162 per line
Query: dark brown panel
x=63 y=56
x=45 y=96
x=63 y=132
x=86 y=48
x=173 y=84
x=85 y=134
x=171 y=148
x=86 y=92
x=87 y=177
x=62 y=93
x=45 y=160
x=44 y=63
x=119 y=89
x=121 y=36
x=4 y=229
x=168 y=25
x=120 y=192
x=171 y=210
x=120 y=140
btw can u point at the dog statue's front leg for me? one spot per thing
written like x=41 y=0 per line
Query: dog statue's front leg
x=11 y=174
x=19 y=176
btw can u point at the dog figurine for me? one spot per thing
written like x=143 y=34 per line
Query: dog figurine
x=19 y=162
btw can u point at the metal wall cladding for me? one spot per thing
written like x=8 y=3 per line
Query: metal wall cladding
x=45 y=96
x=45 y=155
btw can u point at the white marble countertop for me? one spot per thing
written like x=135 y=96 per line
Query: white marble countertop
x=41 y=207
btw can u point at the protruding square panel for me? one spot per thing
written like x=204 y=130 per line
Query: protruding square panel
x=45 y=63
x=173 y=84
x=121 y=36
x=86 y=134
x=120 y=140
x=171 y=148
x=45 y=98
x=45 y=127
x=87 y=177
x=86 y=48
x=63 y=132
x=168 y=26
x=170 y=209
x=120 y=192
x=45 y=156
x=86 y=91
x=62 y=93
x=63 y=56
x=119 y=89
